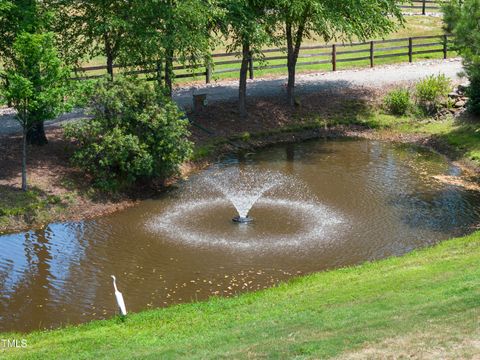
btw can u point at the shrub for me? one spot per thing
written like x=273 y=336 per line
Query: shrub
x=81 y=92
x=473 y=93
x=461 y=19
x=136 y=134
x=245 y=136
x=398 y=102
x=431 y=92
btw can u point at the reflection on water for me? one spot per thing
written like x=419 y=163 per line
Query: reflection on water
x=383 y=196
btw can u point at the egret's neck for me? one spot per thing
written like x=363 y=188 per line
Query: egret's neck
x=115 y=285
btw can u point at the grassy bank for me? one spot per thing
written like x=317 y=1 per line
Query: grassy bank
x=348 y=114
x=425 y=304
x=459 y=137
x=33 y=202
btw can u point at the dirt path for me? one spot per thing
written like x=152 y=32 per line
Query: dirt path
x=276 y=86
x=320 y=81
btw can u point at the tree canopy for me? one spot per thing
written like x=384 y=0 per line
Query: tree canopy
x=133 y=33
x=156 y=34
x=16 y=17
x=86 y=29
x=168 y=31
x=331 y=20
x=37 y=83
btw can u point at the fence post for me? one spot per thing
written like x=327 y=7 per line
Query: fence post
x=410 y=49
x=250 y=66
x=208 y=73
x=334 y=57
x=424 y=7
x=445 y=49
x=371 y=53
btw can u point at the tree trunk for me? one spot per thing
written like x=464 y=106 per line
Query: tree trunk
x=242 y=91
x=110 y=66
x=36 y=134
x=159 y=73
x=7 y=84
x=293 y=49
x=109 y=56
x=169 y=72
x=24 y=160
x=291 y=64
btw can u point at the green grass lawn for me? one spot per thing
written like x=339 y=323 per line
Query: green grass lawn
x=427 y=302
x=462 y=135
x=32 y=204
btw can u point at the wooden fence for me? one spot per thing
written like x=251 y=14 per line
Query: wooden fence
x=424 y=6
x=321 y=57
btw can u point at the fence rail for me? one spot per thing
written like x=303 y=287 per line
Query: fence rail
x=334 y=54
x=424 y=6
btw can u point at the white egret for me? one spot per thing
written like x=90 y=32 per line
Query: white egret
x=119 y=296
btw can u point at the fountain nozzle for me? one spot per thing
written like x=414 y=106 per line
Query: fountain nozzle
x=242 y=219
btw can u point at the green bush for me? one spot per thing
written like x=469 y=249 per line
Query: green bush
x=136 y=134
x=431 y=92
x=3 y=100
x=461 y=19
x=473 y=93
x=398 y=101
x=81 y=92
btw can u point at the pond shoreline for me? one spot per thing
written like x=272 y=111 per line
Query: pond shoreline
x=427 y=295
x=232 y=135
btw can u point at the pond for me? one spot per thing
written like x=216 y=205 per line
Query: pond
x=316 y=205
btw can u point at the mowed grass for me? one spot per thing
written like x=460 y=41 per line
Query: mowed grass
x=462 y=135
x=16 y=204
x=427 y=302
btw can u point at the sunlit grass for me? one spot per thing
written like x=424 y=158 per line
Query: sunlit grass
x=432 y=292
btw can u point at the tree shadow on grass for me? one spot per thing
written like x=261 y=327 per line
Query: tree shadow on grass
x=462 y=141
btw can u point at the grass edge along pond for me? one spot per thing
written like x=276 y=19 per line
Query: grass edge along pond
x=426 y=302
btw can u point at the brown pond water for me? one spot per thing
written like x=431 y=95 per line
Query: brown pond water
x=326 y=204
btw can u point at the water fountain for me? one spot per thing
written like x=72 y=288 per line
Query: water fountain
x=244 y=188
x=287 y=214
x=242 y=220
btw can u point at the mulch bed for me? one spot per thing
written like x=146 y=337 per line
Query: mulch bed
x=265 y=114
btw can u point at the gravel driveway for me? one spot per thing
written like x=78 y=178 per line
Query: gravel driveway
x=276 y=86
